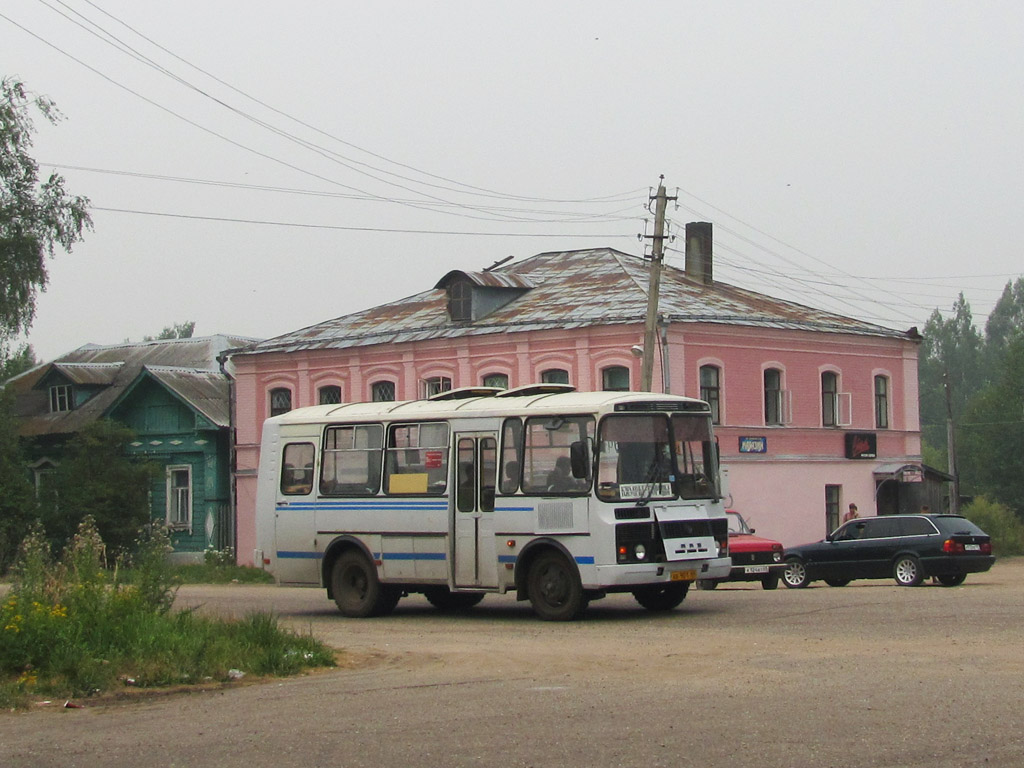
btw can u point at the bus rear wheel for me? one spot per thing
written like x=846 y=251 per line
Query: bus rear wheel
x=662 y=597
x=357 y=591
x=554 y=588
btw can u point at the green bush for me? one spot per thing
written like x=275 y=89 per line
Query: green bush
x=73 y=629
x=999 y=522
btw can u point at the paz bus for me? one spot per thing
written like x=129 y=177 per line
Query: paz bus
x=557 y=495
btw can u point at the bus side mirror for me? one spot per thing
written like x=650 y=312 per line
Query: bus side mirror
x=578 y=459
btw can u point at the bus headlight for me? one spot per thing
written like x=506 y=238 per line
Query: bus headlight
x=640 y=551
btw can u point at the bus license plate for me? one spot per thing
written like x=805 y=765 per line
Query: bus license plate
x=684 y=576
x=756 y=569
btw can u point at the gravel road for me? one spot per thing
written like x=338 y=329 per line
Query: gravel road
x=866 y=675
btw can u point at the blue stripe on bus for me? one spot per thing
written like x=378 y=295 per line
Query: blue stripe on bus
x=414 y=556
x=585 y=560
x=390 y=505
x=299 y=555
x=506 y=558
x=514 y=509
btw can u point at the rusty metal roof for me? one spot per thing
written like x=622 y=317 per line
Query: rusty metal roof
x=570 y=289
x=188 y=367
x=206 y=391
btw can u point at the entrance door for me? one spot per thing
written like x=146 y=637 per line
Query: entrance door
x=475 y=470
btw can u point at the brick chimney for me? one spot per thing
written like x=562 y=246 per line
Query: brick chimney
x=698 y=252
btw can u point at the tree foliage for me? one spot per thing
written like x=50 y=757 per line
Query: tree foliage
x=984 y=375
x=35 y=218
x=176 y=331
x=97 y=478
x=17 y=498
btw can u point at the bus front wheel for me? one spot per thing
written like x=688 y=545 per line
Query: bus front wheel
x=554 y=588
x=357 y=591
x=662 y=597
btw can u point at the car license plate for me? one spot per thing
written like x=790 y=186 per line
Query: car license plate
x=756 y=569
x=684 y=576
x=972 y=547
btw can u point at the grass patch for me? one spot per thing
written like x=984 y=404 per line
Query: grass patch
x=74 y=629
x=205 y=573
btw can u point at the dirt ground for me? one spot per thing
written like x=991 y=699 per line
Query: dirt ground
x=866 y=675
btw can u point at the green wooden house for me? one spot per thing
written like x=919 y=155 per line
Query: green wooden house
x=175 y=395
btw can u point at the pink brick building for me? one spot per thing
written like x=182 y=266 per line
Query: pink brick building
x=815 y=410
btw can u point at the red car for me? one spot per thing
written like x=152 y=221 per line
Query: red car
x=754 y=558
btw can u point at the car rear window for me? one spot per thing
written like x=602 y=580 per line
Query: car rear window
x=951 y=525
x=916 y=526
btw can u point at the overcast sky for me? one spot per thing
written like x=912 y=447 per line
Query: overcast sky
x=260 y=167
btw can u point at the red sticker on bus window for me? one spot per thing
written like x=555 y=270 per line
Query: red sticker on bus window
x=434 y=459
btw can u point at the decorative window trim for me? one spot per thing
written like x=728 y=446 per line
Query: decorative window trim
x=173 y=497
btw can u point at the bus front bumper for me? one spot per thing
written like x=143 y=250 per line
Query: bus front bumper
x=634 y=574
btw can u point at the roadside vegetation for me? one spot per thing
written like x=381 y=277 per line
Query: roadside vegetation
x=999 y=522
x=72 y=628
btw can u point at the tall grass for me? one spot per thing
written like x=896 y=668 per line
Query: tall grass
x=72 y=628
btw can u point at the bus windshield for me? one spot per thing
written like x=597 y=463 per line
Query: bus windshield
x=649 y=456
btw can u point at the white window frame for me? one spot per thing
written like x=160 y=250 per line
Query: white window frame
x=62 y=398
x=435 y=385
x=172 y=494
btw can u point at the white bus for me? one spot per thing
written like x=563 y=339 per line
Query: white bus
x=560 y=496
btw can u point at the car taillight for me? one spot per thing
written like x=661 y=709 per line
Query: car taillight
x=951 y=547
x=986 y=548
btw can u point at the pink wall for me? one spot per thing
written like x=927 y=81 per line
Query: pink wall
x=782 y=490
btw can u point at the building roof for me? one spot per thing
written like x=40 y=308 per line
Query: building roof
x=562 y=290
x=187 y=367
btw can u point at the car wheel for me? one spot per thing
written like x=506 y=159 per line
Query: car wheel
x=444 y=599
x=706 y=584
x=795 y=574
x=837 y=582
x=357 y=591
x=663 y=597
x=770 y=581
x=953 y=580
x=907 y=571
x=553 y=586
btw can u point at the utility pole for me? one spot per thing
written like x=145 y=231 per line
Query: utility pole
x=657 y=255
x=954 y=501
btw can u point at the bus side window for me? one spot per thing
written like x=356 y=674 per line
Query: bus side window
x=297 y=469
x=511 y=455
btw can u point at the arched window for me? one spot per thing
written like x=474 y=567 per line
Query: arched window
x=615 y=378
x=711 y=390
x=382 y=391
x=330 y=395
x=881 y=402
x=554 y=376
x=499 y=380
x=280 y=401
x=829 y=399
x=772 y=396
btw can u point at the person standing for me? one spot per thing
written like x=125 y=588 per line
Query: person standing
x=852 y=514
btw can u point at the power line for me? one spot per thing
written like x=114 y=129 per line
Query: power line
x=264 y=222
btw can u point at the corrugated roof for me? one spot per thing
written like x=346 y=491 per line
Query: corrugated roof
x=570 y=289
x=189 y=364
x=206 y=391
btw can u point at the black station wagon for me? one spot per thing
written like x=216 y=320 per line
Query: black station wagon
x=908 y=548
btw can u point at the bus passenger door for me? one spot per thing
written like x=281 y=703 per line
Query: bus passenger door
x=475 y=468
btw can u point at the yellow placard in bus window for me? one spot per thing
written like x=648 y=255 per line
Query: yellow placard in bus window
x=413 y=483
